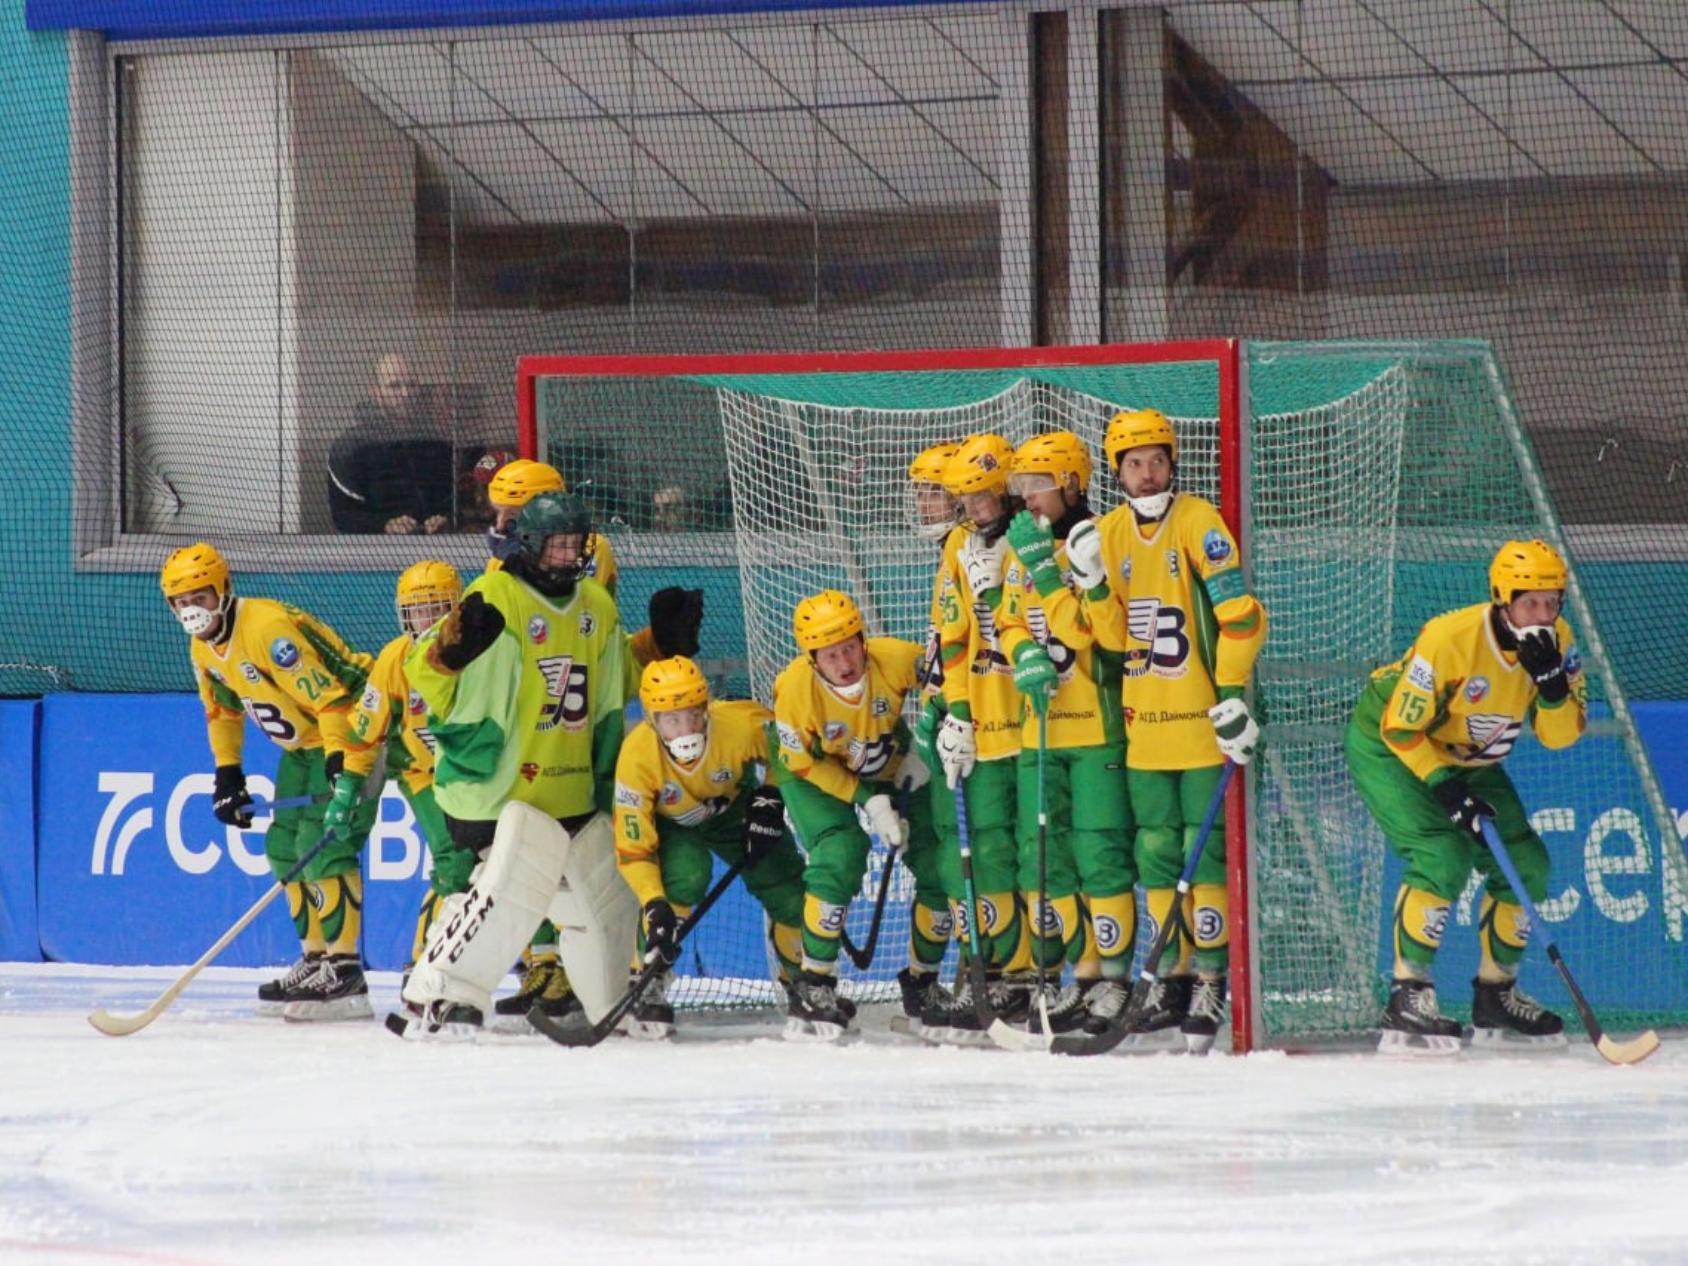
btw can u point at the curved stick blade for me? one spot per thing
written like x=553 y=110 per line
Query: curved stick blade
x=1631 y=1052
x=120 y=1025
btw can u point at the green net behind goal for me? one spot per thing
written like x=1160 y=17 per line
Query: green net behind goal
x=1376 y=483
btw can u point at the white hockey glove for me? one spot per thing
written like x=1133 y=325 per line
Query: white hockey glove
x=912 y=774
x=957 y=749
x=1084 y=557
x=882 y=820
x=1235 y=729
x=983 y=564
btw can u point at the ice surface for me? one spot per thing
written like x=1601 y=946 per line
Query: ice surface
x=217 y=1137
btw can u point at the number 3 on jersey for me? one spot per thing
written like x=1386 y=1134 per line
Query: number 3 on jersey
x=1162 y=627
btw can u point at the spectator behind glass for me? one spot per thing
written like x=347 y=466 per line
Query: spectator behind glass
x=391 y=471
x=475 y=513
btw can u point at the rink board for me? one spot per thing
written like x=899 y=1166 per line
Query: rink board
x=130 y=868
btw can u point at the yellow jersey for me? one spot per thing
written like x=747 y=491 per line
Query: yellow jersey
x=388 y=697
x=287 y=670
x=977 y=670
x=1179 y=609
x=1085 y=710
x=842 y=746
x=1456 y=698
x=652 y=788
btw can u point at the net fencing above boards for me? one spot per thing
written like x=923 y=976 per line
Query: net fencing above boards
x=1372 y=484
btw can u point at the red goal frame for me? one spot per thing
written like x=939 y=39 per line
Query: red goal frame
x=1230 y=357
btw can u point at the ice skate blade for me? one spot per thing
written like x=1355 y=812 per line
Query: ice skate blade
x=1158 y=1040
x=411 y=1029
x=648 y=1030
x=1198 y=1043
x=352 y=1007
x=975 y=1039
x=906 y=1025
x=1416 y=1045
x=1510 y=1040
x=270 y=1010
x=816 y=1032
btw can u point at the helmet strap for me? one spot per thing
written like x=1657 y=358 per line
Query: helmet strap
x=1071 y=517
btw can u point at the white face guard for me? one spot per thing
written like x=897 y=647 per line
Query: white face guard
x=850 y=694
x=197 y=620
x=1154 y=507
x=688 y=747
x=416 y=618
x=931 y=529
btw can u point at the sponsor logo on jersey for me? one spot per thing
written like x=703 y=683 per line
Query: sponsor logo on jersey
x=1573 y=662
x=1172 y=563
x=1125 y=569
x=670 y=793
x=881 y=706
x=530 y=770
x=1162 y=627
x=284 y=653
x=627 y=798
x=1475 y=689
x=1421 y=674
x=1215 y=546
x=418 y=705
x=539 y=630
x=789 y=737
x=720 y=775
x=1492 y=736
x=371 y=701
x=587 y=624
x=249 y=670
x=835 y=730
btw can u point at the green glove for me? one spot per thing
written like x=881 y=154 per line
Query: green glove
x=925 y=733
x=337 y=818
x=1035 y=546
x=1035 y=675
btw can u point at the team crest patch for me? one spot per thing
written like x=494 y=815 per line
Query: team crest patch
x=670 y=793
x=1215 y=546
x=371 y=701
x=834 y=731
x=284 y=653
x=720 y=775
x=539 y=630
x=1475 y=689
x=881 y=706
x=986 y=461
x=1573 y=662
x=418 y=705
x=587 y=624
x=1172 y=563
x=249 y=670
x=1125 y=569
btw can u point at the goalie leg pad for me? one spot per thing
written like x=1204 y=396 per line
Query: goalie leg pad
x=597 y=918
x=477 y=934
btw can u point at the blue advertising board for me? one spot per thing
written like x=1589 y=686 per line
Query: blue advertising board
x=19 y=941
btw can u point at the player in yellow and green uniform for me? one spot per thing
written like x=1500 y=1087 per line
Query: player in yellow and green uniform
x=689 y=787
x=978 y=738
x=1425 y=746
x=298 y=681
x=841 y=748
x=425 y=595
x=1164 y=583
x=1091 y=872
x=524 y=687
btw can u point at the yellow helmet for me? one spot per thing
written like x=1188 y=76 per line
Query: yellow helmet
x=928 y=467
x=197 y=566
x=1524 y=565
x=1133 y=428
x=668 y=685
x=428 y=584
x=825 y=619
x=520 y=481
x=1057 y=454
x=981 y=464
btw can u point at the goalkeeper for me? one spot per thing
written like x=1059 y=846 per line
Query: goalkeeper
x=1425 y=745
x=298 y=682
x=1091 y=875
x=841 y=748
x=1164 y=584
x=689 y=788
x=427 y=591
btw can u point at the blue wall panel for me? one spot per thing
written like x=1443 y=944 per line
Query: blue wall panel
x=19 y=940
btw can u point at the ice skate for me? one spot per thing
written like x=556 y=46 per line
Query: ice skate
x=652 y=1017
x=917 y=990
x=1067 y=1007
x=813 y=1013
x=272 y=994
x=1414 y=1025
x=962 y=1025
x=437 y=1021
x=527 y=995
x=335 y=991
x=1503 y=1015
x=1207 y=1009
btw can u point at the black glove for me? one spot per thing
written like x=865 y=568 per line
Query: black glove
x=1465 y=810
x=334 y=764
x=230 y=804
x=676 y=616
x=1538 y=652
x=764 y=825
x=470 y=629
x=661 y=942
